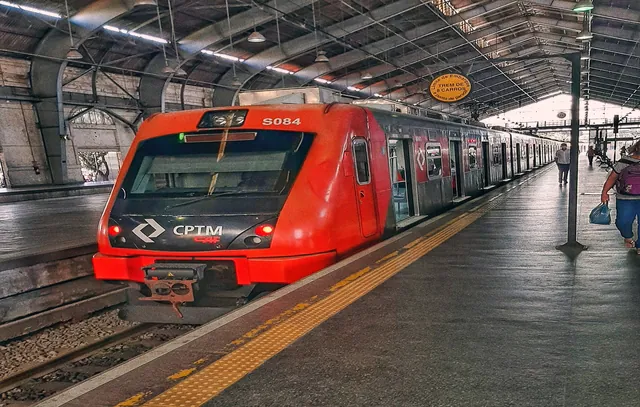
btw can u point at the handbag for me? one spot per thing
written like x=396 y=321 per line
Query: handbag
x=600 y=215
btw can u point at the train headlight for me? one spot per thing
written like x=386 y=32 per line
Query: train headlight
x=264 y=230
x=114 y=230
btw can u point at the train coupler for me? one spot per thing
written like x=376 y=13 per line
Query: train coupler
x=175 y=283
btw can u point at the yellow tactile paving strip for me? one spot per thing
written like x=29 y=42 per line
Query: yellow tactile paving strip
x=204 y=385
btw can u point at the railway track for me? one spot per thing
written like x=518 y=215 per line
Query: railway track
x=46 y=379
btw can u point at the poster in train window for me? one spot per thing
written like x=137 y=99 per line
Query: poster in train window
x=361 y=159
x=434 y=161
x=473 y=157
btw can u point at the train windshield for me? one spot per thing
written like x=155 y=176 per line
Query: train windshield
x=262 y=162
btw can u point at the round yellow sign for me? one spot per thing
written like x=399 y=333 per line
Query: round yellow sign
x=450 y=88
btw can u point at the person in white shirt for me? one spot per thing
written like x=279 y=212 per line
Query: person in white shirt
x=563 y=159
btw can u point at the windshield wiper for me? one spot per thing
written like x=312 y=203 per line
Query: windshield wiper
x=205 y=197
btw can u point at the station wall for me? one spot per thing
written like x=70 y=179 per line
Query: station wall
x=22 y=156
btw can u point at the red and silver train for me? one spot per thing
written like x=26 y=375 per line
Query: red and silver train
x=238 y=196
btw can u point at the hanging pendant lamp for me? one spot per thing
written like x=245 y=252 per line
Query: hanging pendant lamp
x=74 y=54
x=144 y=3
x=584 y=35
x=583 y=6
x=322 y=57
x=256 y=37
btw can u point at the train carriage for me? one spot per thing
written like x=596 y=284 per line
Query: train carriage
x=258 y=195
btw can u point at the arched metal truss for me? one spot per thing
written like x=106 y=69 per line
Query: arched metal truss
x=401 y=44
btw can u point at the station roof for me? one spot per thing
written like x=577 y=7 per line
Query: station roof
x=390 y=48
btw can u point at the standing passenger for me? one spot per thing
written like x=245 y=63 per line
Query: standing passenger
x=626 y=177
x=563 y=160
x=590 y=154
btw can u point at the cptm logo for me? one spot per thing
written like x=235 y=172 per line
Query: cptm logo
x=156 y=232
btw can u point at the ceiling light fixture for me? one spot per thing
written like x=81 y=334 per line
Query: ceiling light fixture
x=256 y=37
x=583 y=6
x=30 y=9
x=236 y=82
x=367 y=75
x=74 y=54
x=584 y=35
x=144 y=3
x=280 y=70
x=322 y=57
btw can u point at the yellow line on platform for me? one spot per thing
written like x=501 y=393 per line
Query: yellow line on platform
x=204 y=385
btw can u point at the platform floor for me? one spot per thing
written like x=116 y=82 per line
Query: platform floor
x=47 y=188
x=475 y=308
x=36 y=227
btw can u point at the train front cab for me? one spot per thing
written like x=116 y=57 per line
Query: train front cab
x=171 y=223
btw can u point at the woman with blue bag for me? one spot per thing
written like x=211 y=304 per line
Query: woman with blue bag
x=626 y=178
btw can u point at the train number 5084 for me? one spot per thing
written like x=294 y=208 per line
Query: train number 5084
x=280 y=121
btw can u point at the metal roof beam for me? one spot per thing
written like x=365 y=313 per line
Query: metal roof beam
x=539 y=88
x=615 y=33
x=152 y=86
x=629 y=72
x=430 y=70
x=542 y=86
x=616 y=99
x=419 y=56
x=341 y=61
x=226 y=95
x=412 y=89
x=47 y=73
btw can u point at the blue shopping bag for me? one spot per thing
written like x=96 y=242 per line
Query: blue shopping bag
x=600 y=215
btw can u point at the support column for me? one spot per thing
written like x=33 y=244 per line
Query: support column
x=572 y=248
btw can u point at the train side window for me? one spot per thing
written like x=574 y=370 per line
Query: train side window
x=361 y=160
x=497 y=155
x=434 y=161
x=473 y=157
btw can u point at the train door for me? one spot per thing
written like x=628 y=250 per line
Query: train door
x=518 y=158
x=504 y=161
x=456 y=168
x=528 y=155
x=540 y=159
x=486 y=164
x=401 y=182
x=534 y=149
x=364 y=188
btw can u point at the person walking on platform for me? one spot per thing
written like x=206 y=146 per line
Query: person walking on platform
x=590 y=154
x=626 y=178
x=563 y=159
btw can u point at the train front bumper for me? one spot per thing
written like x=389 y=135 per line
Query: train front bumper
x=279 y=270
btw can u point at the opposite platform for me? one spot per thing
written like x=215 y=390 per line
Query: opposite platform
x=475 y=308
x=37 y=227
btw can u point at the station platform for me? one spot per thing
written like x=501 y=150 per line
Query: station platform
x=475 y=307
x=39 y=192
x=36 y=231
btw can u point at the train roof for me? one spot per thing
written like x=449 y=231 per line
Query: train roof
x=187 y=120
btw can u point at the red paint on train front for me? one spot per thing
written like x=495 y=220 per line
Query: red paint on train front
x=326 y=213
